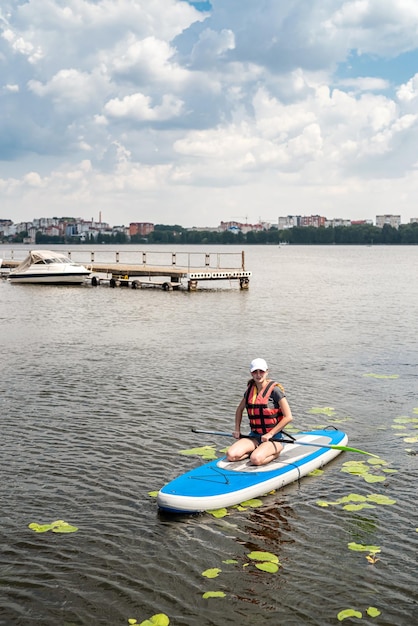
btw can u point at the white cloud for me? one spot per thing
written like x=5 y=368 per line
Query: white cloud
x=178 y=109
x=408 y=92
x=365 y=83
x=138 y=107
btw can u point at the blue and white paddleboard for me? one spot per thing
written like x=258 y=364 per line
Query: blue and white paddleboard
x=221 y=484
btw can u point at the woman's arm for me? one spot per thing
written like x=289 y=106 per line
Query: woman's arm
x=238 y=419
x=285 y=420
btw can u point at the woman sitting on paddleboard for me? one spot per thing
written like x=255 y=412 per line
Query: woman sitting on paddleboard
x=268 y=411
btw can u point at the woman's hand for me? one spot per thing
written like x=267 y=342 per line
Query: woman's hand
x=267 y=436
x=236 y=434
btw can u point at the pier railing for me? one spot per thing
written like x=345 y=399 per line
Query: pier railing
x=190 y=261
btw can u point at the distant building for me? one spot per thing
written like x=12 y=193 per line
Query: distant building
x=237 y=227
x=390 y=220
x=288 y=221
x=335 y=223
x=140 y=228
x=413 y=220
x=312 y=220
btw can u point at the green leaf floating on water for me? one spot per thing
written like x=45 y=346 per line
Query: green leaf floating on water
x=316 y=472
x=372 y=611
x=348 y=613
x=356 y=502
x=265 y=561
x=368 y=474
x=382 y=376
x=263 y=556
x=212 y=573
x=207 y=453
x=59 y=526
x=358 y=507
x=160 y=619
x=353 y=497
x=404 y=419
x=218 y=513
x=379 y=499
x=376 y=462
x=372 y=478
x=213 y=594
x=324 y=410
x=358 y=547
x=267 y=566
x=254 y=503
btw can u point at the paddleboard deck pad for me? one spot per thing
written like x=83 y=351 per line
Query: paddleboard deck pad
x=220 y=484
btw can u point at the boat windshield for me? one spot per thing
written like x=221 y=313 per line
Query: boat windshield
x=42 y=257
x=58 y=259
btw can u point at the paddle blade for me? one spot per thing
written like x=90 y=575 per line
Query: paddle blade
x=348 y=449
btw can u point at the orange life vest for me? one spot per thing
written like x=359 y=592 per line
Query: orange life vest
x=262 y=418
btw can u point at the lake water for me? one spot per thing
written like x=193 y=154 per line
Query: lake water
x=99 y=390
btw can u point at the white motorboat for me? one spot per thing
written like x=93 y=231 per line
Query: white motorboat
x=45 y=266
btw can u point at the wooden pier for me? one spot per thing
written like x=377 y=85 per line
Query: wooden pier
x=140 y=269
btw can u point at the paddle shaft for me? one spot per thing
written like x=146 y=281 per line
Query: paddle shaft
x=279 y=438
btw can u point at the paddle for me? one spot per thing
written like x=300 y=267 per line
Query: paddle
x=300 y=443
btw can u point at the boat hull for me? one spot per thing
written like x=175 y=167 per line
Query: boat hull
x=220 y=484
x=48 y=267
x=67 y=278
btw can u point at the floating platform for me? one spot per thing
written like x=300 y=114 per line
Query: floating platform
x=166 y=270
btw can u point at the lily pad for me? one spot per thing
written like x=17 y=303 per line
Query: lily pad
x=353 y=497
x=372 y=611
x=348 y=613
x=404 y=419
x=263 y=556
x=359 y=547
x=379 y=499
x=267 y=566
x=373 y=478
x=160 y=619
x=207 y=453
x=376 y=461
x=358 y=507
x=316 y=472
x=40 y=528
x=62 y=527
x=213 y=594
x=218 y=513
x=254 y=503
x=153 y=494
x=382 y=376
x=212 y=573
x=355 y=467
x=59 y=526
x=324 y=410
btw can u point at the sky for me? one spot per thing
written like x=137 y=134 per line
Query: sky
x=192 y=113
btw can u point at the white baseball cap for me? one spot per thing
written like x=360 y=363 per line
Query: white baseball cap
x=258 y=364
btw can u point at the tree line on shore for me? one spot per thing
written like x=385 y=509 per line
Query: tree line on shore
x=358 y=234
